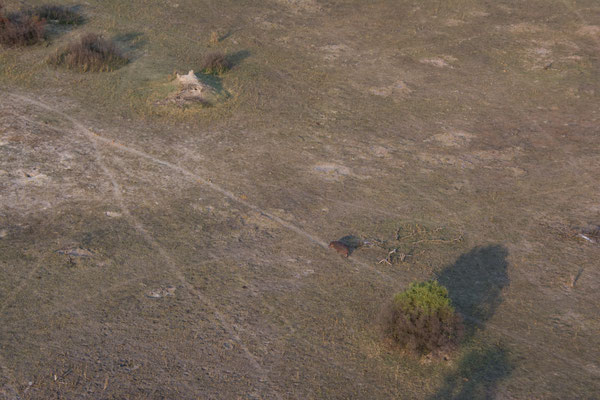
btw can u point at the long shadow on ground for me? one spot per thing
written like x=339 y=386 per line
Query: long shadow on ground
x=475 y=282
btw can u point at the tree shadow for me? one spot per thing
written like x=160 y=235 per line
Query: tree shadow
x=131 y=43
x=215 y=82
x=478 y=375
x=228 y=34
x=475 y=283
x=237 y=57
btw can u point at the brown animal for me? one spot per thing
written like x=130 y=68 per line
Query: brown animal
x=340 y=247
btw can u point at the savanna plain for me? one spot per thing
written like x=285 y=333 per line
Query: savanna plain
x=163 y=241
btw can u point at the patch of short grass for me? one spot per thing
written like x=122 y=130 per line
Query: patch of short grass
x=91 y=53
x=20 y=29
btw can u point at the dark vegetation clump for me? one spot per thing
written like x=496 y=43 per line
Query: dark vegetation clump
x=216 y=64
x=91 y=53
x=422 y=319
x=20 y=29
x=57 y=14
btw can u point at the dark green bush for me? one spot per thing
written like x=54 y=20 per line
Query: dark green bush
x=20 y=29
x=91 y=53
x=423 y=320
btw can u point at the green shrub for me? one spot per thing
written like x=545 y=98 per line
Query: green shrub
x=20 y=29
x=216 y=63
x=91 y=53
x=423 y=320
x=58 y=14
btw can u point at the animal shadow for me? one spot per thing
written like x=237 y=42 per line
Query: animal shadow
x=351 y=242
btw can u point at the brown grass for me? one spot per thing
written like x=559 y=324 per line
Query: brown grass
x=214 y=38
x=92 y=53
x=20 y=29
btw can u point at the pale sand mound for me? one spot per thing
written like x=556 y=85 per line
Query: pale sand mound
x=191 y=91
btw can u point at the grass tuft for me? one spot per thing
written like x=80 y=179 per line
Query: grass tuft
x=20 y=29
x=91 y=53
x=216 y=64
x=423 y=320
x=58 y=14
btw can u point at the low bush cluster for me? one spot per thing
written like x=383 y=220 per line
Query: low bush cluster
x=216 y=63
x=20 y=29
x=91 y=53
x=57 y=14
x=423 y=320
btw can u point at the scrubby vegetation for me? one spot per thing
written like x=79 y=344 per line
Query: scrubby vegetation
x=20 y=29
x=216 y=63
x=422 y=319
x=92 y=53
x=58 y=14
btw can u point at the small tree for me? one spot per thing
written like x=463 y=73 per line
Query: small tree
x=423 y=320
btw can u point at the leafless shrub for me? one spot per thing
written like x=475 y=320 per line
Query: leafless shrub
x=92 y=53
x=20 y=29
x=216 y=63
x=58 y=14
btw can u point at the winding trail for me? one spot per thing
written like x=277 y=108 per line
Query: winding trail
x=96 y=140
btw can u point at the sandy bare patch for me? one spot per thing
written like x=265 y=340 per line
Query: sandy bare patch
x=454 y=22
x=301 y=5
x=498 y=155
x=31 y=177
x=538 y=58
x=330 y=171
x=440 y=62
x=525 y=27
x=445 y=160
x=573 y=58
x=397 y=88
x=269 y=25
x=157 y=293
x=590 y=30
x=474 y=158
x=516 y=171
x=334 y=51
x=479 y=14
x=454 y=138
x=380 y=151
x=541 y=51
